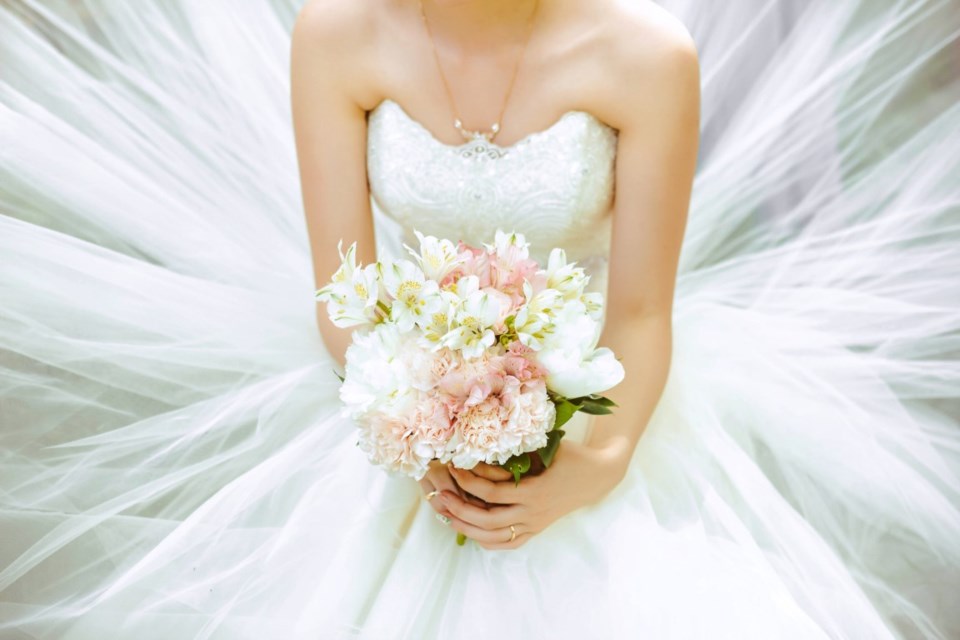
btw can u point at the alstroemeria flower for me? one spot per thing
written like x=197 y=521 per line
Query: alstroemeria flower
x=415 y=299
x=565 y=277
x=475 y=316
x=352 y=293
x=437 y=258
x=534 y=321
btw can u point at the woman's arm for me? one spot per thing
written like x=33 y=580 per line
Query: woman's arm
x=656 y=159
x=330 y=75
x=327 y=67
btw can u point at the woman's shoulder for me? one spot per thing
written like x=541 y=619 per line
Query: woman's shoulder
x=644 y=54
x=336 y=37
x=642 y=35
x=332 y=19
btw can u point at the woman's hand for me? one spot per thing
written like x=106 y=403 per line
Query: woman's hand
x=579 y=476
x=437 y=480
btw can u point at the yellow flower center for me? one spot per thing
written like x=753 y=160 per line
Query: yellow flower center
x=408 y=290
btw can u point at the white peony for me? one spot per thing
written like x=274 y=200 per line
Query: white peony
x=575 y=367
x=375 y=377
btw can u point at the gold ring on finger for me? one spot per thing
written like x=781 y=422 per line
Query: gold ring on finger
x=430 y=496
x=513 y=533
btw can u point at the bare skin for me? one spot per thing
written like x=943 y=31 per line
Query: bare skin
x=630 y=64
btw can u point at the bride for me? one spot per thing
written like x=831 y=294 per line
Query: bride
x=351 y=59
x=784 y=460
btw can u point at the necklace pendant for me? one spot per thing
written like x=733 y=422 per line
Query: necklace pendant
x=477 y=135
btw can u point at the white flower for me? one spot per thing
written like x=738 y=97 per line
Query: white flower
x=473 y=320
x=509 y=244
x=437 y=258
x=440 y=322
x=574 y=366
x=416 y=299
x=567 y=278
x=353 y=293
x=376 y=378
x=534 y=320
x=593 y=303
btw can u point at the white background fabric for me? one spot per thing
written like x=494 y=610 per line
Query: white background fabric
x=171 y=460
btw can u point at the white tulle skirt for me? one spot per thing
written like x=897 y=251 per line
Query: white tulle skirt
x=172 y=460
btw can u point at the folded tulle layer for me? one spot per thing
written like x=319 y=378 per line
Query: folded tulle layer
x=172 y=459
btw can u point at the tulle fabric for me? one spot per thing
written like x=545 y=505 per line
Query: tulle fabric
x=172 y=462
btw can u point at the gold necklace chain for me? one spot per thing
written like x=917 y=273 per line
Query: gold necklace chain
x=495 y=129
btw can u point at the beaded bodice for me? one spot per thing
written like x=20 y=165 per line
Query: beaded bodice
x=555 y=186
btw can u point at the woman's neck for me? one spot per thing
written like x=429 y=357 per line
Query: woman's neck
x=473 y=26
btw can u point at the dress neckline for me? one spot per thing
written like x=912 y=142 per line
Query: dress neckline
x=527 y=139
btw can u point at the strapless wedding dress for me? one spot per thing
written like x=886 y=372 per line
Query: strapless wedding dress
x=173 y=461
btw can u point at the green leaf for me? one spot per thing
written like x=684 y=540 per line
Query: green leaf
x=461 y=539
x=596 y=409
x=549 y=450
x=338 y=375
x=601 y=400
x=517 y=465
x=565 y=411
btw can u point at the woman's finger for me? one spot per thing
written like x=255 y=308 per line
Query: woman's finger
x=519 y=541
x=504 y=492
x=438 y=480
x=495 y=517
x=483 y=536
x=492 y=472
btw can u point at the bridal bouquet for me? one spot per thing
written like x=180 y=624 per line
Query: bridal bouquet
x=467 y=354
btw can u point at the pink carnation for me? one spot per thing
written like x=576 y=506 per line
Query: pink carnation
x=513 y=421
x=518 y=362
x=471 y=381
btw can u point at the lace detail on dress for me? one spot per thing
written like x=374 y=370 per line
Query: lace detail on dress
x=555 y=186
